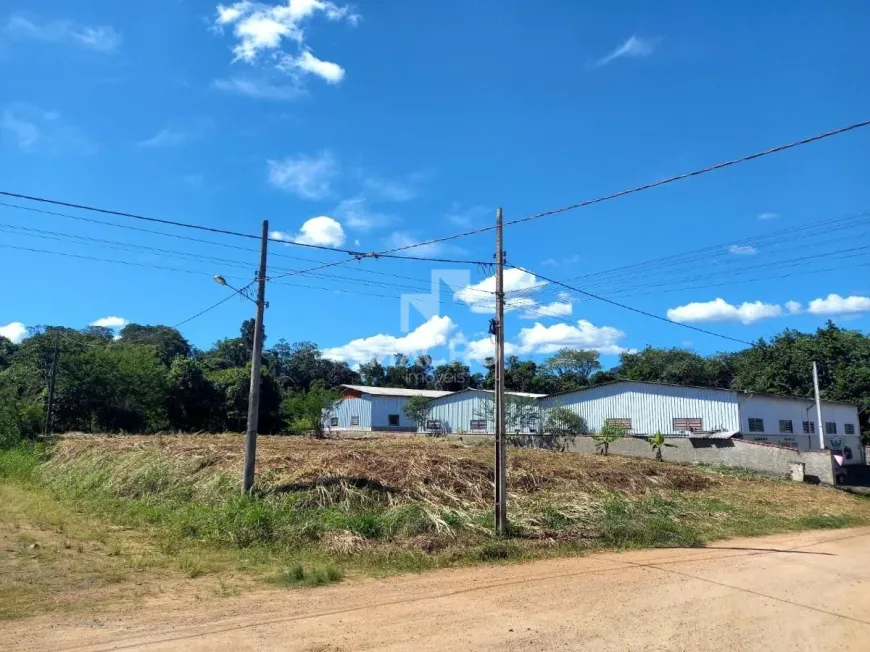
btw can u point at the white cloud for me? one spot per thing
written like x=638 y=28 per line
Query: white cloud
x=307 y=176
x=742 y=250
x=549 y=339
x=36 y=131
x=110 y=322
x=793 y=307
x=558 y=262
x=555 y=309
x=356 y=214
x=100 y=38
x=425 y=337
x=721 y=310
x=585 y=335
x=633 y=47
x=393 y=189
x=323 y=231
x=14 y=331
x=768 y=216
x=466 y=217
x=259 y=89
x=261 y=30
x=834 y=304
x=174 y=136
x=331 y=72
x=480 y=297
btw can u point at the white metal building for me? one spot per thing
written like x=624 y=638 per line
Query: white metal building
x=471 y=411
x=375 y=408
x=644 y=408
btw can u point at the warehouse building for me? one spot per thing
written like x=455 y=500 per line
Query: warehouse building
x=471 y=411
x=375 y=408
x=643 y=409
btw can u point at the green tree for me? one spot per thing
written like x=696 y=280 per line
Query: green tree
x=305 y=412
x=571 y=369
x=657 y=442
x=609 y=434
x=417 y=409
x=168 y=343
x=193 y=402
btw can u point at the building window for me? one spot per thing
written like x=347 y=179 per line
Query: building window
x=830 y=428
x=809 y=427
x=333 y=422
x=688 y=424
x=478 y=425
x=759 y=439
x=785 y=426
x=393 y=419
x=849 y=428
x=354 y=421
x=625 y=424
x=433 y=425
x=756 y=425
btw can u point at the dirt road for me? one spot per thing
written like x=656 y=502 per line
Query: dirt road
x=808 y=591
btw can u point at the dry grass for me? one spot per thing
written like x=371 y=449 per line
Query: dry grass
x=381 y=505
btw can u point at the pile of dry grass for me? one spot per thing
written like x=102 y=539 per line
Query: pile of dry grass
x=434 y=472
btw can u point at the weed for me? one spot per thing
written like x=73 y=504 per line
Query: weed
x=497 y=551
x=824 y=522
x=190 y=566
x=296 y=575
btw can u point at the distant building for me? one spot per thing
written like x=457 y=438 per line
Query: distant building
x=644 y=408
x=471 y=411
x=375 y=408
x=641 y=408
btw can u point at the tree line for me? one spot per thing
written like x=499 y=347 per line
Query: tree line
x=150 y=378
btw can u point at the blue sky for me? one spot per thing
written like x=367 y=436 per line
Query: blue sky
x=387 y=123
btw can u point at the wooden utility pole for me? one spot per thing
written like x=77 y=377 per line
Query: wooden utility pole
x=256 y=361
x=49 y=418
x=821 y=425
x=500 y=451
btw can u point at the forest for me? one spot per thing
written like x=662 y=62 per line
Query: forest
x=148 y=379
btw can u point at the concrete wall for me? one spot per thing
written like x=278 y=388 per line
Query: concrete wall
x=651 y=408
x=732 y=453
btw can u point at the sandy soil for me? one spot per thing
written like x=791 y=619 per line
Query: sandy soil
x=808 y=591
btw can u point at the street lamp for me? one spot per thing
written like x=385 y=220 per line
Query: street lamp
x=220 y=280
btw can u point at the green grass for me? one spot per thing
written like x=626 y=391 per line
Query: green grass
x=297 y=575
x=193 y=521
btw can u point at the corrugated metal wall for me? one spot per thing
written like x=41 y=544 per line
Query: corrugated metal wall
x=651 y=408
x=456 y=413
x=352 y=407
x=384 y=406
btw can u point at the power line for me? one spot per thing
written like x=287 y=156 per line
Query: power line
x=707 y=256
x=637 y=310
x=52 y=235
x=197 y=240
x=359 y=255
x=647 y=186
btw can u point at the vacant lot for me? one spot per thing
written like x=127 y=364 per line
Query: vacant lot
x=93 y=520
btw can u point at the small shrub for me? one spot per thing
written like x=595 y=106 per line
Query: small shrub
x=497 y=551
x=366 y=524
x=317 y=576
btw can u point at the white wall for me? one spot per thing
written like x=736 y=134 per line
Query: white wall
x=772 y=409
x=651 y=408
